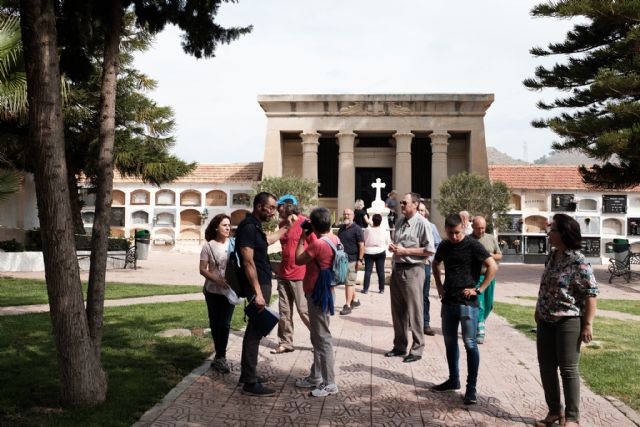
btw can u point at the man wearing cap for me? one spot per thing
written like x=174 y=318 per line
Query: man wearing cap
x=290 y=276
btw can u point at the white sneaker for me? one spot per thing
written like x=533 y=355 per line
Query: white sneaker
x=325 y=390
x=307 y=382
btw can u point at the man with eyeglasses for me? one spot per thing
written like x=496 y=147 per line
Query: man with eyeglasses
x=255 y=277
x=463 y=259
x=411 y=246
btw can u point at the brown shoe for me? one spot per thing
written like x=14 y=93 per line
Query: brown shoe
x=551 y=420
x=281 y=349
x=429 y=331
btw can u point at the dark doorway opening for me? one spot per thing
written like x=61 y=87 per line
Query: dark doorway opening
x=367 y=176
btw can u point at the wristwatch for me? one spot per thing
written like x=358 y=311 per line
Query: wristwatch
x=478 y=291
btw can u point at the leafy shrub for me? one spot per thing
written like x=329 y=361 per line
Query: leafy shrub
x=275 y=256
x=11 y=246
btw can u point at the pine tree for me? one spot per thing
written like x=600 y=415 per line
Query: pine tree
x=601 y=79
x=78 y=330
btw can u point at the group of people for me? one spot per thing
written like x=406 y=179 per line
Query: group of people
x=467 y=254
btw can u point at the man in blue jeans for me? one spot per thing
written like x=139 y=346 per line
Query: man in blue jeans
x=463 y=259
x=422 y=209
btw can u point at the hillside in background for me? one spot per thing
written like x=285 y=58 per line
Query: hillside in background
x=496 y=157
x=572 y=157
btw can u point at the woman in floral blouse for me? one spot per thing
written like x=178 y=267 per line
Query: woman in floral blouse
x=564 y=315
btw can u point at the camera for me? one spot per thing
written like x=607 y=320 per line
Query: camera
x=306 y=226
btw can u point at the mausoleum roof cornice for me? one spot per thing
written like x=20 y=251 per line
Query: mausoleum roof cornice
x=438 y=104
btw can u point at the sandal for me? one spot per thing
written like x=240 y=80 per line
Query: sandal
x=550 y=420
x=281 y=349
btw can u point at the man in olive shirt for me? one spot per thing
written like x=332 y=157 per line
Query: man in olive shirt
x=412 y=244
x=485 y=301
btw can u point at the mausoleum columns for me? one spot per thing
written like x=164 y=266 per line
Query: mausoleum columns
x=439 y=144
x=402 y=178
x=272 y=165
x=346 y=171
x=310 y=155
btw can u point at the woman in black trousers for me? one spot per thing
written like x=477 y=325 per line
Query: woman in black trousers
x=213 y=261
x=564 y=315
x=376 y=242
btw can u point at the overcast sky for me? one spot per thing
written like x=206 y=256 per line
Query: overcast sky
x=353 y=47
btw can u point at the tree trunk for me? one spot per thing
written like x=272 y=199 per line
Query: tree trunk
x=104 y=173
x=76 y=205
x=83 y=382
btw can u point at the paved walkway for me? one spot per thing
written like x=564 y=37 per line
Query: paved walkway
x=375 y=390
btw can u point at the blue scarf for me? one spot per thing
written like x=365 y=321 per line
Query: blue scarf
x=322 y=295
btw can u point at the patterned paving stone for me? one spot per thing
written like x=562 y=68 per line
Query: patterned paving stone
x=375 y=390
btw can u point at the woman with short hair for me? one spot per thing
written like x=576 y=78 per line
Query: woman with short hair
x=318 y=257
x=564 y=315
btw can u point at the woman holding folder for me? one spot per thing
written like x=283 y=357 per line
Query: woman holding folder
x=213 y=261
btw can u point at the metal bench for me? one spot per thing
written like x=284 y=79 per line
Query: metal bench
x=624 y=268
x=132 y=257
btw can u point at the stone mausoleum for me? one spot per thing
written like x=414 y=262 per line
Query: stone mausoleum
x=412 y=142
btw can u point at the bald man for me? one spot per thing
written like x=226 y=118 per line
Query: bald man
x=485 y=300
x=352 y=238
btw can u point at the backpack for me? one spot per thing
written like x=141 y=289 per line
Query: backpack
x=234 y=269
x=340 y=265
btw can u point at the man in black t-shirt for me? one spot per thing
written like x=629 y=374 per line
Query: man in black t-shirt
x=352 y=238
x=252 y=243
x=463 y=258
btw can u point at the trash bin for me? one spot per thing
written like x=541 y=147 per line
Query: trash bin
x=143 y=240
x=620 y=249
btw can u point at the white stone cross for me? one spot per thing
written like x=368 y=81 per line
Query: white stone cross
x=378 y=185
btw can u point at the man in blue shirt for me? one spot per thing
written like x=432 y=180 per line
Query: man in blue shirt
x=422 y=209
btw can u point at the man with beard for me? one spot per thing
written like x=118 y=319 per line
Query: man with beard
x=352 y=238
x=255 y=278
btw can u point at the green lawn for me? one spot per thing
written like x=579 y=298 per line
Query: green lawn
x=613 y=369
x=621 y=305
x=142 y=368
x=30 y=291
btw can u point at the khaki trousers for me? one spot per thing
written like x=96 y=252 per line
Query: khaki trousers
x=323 y=357
x=407 y=306
x=289 y=293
